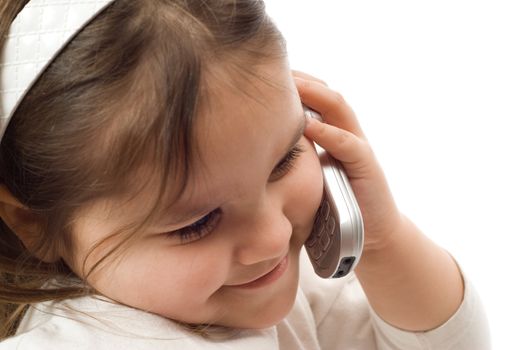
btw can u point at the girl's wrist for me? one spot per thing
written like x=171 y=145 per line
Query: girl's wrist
x=376 y=243
x=379 y=251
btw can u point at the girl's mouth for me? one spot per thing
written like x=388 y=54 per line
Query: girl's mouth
x=269 y=277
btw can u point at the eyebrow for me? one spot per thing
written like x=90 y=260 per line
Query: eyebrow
x=193 y=212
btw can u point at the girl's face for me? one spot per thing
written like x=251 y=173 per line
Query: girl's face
x=248 y=210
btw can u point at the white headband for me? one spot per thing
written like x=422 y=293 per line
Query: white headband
x=37 y=35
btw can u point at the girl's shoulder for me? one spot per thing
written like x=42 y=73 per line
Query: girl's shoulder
x=94 y=322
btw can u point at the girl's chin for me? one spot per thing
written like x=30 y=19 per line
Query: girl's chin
x=275 y=304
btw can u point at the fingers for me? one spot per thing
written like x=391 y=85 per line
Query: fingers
x=340 y=134
x=329 y=103
x=354 y=152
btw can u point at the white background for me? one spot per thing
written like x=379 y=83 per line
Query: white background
x=438 y=89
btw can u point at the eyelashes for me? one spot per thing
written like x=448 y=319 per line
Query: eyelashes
x=287 y=163
x=205 y=225
x=198 y=229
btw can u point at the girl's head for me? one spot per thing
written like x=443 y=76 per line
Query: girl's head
x=159 y=159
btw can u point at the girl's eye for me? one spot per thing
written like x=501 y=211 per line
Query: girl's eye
x=286 y=164
x=197 y=229
x=206 y=224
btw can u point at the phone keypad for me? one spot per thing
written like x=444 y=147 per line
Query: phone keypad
x=322 y=233
x=331 y=223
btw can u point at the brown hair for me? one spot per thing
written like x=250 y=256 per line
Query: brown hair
x=124 y=93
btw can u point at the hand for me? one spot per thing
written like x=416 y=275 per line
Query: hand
x=429 y=289
x=341 y=136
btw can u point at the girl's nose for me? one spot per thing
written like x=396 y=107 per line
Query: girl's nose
x=266 y=236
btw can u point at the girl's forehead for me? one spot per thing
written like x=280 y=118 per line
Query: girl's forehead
x=232 y=98
x=237 y=115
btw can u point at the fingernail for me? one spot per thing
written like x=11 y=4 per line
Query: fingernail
x=314 y=115
x=308 y=116
x=309 y=119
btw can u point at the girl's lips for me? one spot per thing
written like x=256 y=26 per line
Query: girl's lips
x=269 y=277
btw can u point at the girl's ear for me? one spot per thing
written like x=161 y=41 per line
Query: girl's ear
x=22 y=222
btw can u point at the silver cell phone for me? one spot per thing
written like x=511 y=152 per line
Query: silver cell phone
x=336 y=241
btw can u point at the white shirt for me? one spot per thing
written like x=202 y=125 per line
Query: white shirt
x=327 y=314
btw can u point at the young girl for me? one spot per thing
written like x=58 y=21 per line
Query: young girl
x=158 y=181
